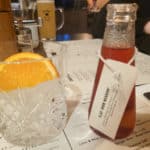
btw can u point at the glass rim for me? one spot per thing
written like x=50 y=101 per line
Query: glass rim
x=123 y=7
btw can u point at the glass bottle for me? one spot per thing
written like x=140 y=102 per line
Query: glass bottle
x=118 y=44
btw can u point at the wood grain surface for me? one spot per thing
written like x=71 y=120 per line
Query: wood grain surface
x=8 y=42
x=5 y=5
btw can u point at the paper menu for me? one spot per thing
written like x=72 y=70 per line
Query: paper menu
x=83 y=54
x=108 y=144
x=81 y=137
x=143 y=66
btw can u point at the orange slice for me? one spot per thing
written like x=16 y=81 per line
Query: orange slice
x=25 y=70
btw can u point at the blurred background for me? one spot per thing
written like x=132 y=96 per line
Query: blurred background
x=77 y=23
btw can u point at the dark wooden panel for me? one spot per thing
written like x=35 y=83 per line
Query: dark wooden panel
x=75 y=21
x=8 y=44
x=5 y=5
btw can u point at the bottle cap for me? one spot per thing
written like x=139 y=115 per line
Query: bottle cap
x=122 y=12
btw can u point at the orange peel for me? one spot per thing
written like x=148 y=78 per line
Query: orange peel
x=26 y=69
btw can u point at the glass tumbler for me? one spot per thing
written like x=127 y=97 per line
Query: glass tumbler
x=32 y=114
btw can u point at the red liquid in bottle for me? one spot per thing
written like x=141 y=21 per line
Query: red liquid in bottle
x=128 y=121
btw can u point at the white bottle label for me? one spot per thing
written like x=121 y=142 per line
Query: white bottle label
x=112 y=96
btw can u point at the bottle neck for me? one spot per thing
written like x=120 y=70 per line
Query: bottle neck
x=119 y=35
